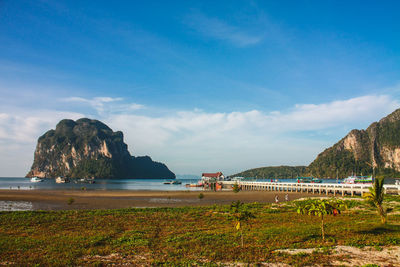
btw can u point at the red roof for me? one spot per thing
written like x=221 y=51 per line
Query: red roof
x=213 y=175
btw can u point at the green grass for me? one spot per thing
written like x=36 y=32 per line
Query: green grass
x=183 y=236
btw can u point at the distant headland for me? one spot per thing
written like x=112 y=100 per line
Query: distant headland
x=89 y=148
x=374 y=151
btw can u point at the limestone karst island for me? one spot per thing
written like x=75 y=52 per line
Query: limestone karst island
x=375 y=150
x=200 y=133
x=89 y=148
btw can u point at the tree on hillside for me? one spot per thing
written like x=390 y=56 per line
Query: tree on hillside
x=321 y=208
x=375 y=197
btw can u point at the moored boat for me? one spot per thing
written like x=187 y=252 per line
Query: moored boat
x=358 y=180
x=194 y=185
x=87 y=180
x=36 y=180
x=172 y=182
x=308 y=180
x=62 y=180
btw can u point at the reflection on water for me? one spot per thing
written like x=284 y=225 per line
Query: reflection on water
x=15 y=205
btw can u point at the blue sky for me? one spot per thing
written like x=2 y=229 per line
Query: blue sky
x=199 y=85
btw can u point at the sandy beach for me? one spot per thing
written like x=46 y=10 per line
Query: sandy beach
x=99 y=199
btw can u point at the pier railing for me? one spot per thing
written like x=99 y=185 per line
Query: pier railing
x=315 y=188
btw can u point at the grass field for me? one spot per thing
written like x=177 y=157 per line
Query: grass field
x=186 y=236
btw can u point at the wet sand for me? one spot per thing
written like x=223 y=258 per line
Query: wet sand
x=116 y=199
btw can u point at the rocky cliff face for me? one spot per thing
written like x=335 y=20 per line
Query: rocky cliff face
x=362 y=150
x=89 y=148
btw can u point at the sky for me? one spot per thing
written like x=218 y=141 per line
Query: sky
x=202 y=86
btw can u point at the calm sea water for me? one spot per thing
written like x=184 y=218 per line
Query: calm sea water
x=101 y=184
x=115 y=184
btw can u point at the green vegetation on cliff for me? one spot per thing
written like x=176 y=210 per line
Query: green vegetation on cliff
x=363 y=152
x=89 y=148
x=375 y=150
x=278 y=172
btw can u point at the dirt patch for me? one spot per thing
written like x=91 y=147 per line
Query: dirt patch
x=387 y=256
x=116 y=259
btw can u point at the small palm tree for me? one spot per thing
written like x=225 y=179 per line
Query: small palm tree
x=236 y=188
x=321 y=208
x=240 y=215
x=375 y=197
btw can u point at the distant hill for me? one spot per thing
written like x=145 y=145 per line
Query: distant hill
x=89 y=148
x=274 y=172
x=361 y=152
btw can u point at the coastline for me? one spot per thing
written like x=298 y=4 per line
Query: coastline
x=117 y=199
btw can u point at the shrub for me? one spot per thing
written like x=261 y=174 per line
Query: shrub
x=70 y=201
x=236 y=188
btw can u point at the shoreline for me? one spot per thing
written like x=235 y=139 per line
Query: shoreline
x=43 y=199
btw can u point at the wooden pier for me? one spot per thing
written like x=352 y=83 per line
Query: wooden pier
x=314 y=188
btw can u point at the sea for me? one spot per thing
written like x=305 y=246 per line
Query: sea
x=100 y=184
x=20 y=183
x=120 y=184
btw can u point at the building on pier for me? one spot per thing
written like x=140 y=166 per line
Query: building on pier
x=212 y=177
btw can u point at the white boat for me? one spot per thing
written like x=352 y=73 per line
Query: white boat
x=36 y=180
x=237 y=179
x=61 y=180
x=172 y=182
x=358 y=180
x=87 y=180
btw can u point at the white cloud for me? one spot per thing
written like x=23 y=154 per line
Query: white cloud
x=217 y=29
x=246 y=139
x=356 y=110
x=106 y=104
x=19 y=131
x=196 y=141
x=25 y=127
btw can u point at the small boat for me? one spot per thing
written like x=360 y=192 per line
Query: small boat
x=193 y=185
x=36 y=180
x=308 y=180
x=87 y=180
x=172 y=182
x=237 y=179
x=62 y=180
x=358 y=180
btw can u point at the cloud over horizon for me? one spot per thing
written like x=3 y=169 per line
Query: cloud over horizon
x=105 y=104
x=192 y=141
